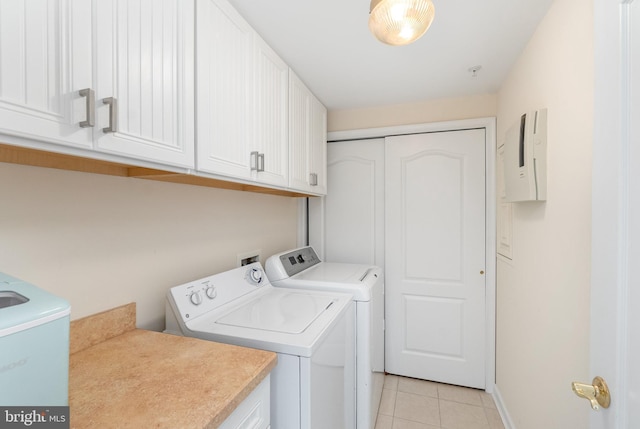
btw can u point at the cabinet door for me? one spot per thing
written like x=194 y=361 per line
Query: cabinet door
x=271 y=114
x=299 y=133
x=254 y=412
x=307 y=139
x=145 y=57
x=225 y=93
x=45 y=60
x=318 y=150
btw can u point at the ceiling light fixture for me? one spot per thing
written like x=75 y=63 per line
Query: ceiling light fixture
x=400 y=22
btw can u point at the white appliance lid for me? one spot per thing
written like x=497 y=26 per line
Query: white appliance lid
x=335 y=272
x=24 y=306
x=279 y=311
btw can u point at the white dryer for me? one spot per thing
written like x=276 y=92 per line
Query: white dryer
x=302 y=269
x=313 y=383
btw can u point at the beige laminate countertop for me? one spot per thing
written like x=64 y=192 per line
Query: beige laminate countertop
x=133 y=378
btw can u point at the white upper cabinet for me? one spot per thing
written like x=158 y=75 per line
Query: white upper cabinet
x=271 y=116
x=307 y=139
x=224 y=78
x=242 y=99
x=45 y=60
x=318 y=152
x=129 y=94
x=144 y=79
x=158 y=83
x=299 y=133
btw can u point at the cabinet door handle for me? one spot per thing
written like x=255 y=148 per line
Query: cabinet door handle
x=261 y=162
x=253 y=161
x=113 y=115
x=90 y=108
x=313 y=179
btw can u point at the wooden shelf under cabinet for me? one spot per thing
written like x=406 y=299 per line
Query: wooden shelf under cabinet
x=39 y=158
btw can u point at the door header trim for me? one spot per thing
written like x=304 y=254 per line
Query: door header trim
x=489 y=123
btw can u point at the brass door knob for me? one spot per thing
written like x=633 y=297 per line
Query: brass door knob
x=597 y=393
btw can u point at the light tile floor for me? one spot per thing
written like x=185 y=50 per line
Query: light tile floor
x=408 y=403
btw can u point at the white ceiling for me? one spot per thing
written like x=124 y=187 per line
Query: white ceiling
x=328 y=44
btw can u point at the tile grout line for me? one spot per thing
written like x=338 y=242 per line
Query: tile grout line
x=394 y=386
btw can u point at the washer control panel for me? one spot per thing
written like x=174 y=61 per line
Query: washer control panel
x=201 y=296
x=204 y=290
x=255 y=275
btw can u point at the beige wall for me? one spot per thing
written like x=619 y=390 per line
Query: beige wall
x=543 y=293
x=447 y=109
x=102 y=241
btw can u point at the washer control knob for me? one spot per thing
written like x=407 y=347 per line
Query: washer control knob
x=211 y=292
x=255 y=275
x=195 y=298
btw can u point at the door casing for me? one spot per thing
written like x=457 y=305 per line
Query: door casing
x=615 y=346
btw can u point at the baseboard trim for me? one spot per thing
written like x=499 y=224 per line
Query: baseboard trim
x=502 y=409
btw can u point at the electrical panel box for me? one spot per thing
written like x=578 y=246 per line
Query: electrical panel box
x=525 y=158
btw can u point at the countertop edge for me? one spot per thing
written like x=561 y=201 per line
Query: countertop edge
x=102 y=370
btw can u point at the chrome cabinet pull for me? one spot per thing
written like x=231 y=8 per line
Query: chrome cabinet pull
x=90 y=95
x=113 y=115
x=257 y=161
x=260 y=162
x=253 y=161
x=313 y=179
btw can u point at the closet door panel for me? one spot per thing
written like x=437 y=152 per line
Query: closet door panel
x=347 y=225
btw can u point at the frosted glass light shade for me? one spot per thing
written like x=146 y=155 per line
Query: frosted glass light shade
x=400 y=22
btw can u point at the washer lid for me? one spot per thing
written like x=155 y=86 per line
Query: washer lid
x=279 y=311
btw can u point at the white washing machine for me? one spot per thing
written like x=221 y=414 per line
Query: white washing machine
x=302 y=269
x=313 y=333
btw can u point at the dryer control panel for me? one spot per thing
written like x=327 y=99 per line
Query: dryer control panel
x=298 y=260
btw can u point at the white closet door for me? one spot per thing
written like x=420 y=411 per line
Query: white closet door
x=347 y=225
x=435 y=256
